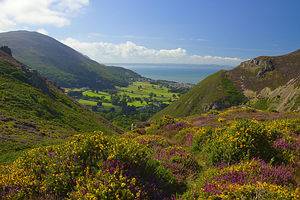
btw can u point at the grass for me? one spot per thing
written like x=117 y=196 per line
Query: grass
x=104 y=107
x=87 y=102
x=146 y=89
x=99 y=94
x=198 y=99
x=137 y=104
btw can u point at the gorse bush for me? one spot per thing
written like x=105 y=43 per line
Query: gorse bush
x=92 y=166
x=246 y=160
x=175 y=158
x=167 y=124
x=243 y=139
x=254 y=179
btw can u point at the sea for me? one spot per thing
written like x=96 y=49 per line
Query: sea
x=181 y=73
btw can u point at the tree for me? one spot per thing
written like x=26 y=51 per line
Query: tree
x=94 y=108
x=147 y=100
x=112 y=92
x=143 y=116
x=99 y=103
x=109 y=116
x=115 y=100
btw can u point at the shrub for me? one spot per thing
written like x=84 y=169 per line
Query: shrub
x=89 y=166
x=242 y=140
x=254 y=179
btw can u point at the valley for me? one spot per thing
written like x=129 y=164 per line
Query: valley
x=137 y=102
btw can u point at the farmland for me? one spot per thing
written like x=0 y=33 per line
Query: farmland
x=137 y=90
x=124 y=103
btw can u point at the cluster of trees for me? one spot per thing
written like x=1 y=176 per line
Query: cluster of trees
x=75 y=94
x=130 y=114
x=178 y=90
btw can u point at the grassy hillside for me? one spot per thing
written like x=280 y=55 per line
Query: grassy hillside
x=30 y=118
x=269 y=83
x=236 y=154
x=61 y=64
x=214 y=92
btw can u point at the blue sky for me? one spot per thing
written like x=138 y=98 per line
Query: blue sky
x=162 y=31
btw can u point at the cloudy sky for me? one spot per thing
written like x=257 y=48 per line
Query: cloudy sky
x=162 y=31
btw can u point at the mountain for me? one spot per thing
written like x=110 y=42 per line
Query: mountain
x=35 y=112
x=62 y=64
x=266 y=83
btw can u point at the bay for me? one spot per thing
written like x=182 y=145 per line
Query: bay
x=181 y=73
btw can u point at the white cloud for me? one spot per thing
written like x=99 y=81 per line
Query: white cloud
x=43 y=31
x=38 y=12
x=105 y=52
x=71 y=5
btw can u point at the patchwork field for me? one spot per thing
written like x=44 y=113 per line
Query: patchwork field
x=137 y=91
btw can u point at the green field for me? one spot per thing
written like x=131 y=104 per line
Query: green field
x=94 y=94
x=105 y=106
x=140 y=90
x=87 y=102
x=162 y=93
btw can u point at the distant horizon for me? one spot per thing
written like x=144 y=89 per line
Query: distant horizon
x=188 y=73
x=171 y=64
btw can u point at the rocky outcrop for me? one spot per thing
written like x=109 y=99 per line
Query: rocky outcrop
x=217 y=105
x=282 y=98
x=36 y=80
x=264 y=65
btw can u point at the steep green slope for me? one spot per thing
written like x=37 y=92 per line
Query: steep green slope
x=267 y=83
x=214 y=92
x=62 y=64
x=30 y=117
x=270 y=83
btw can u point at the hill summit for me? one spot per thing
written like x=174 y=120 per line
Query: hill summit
x=62 y=64
x=265 y=82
